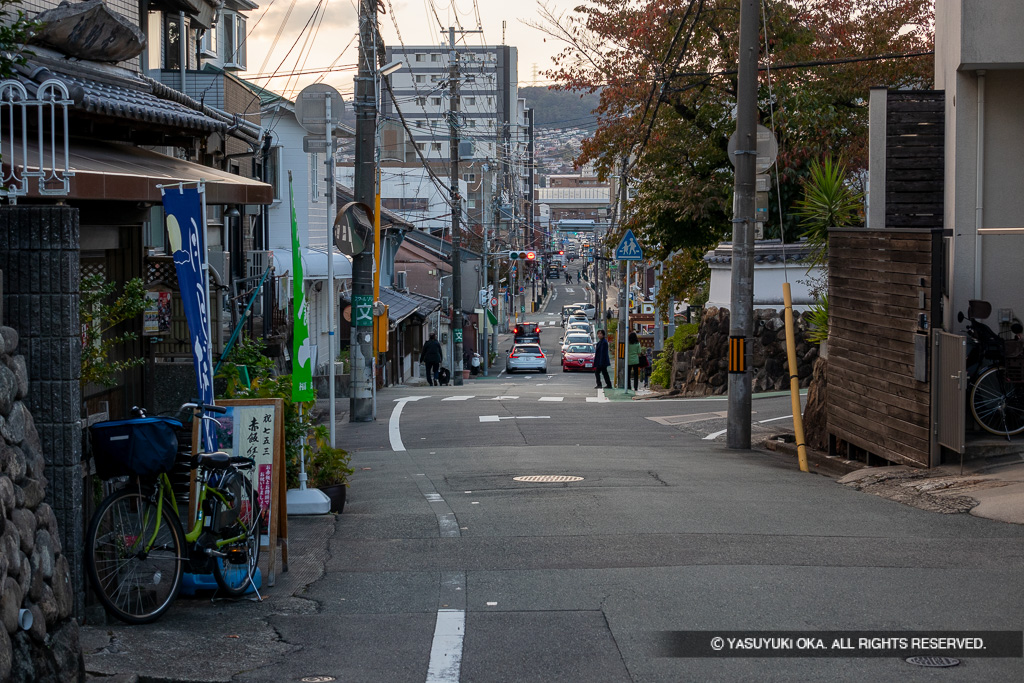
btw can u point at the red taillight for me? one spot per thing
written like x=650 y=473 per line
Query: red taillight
x=541 y=355
x=514 y=356
x=536 y=329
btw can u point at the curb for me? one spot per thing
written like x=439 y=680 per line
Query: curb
x=818 y=462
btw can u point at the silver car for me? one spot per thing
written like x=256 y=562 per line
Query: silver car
x=526 y=357
x=580 y=328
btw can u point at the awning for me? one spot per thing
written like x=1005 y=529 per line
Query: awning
x=314 y=264
x=112 y=172
x=401 y=305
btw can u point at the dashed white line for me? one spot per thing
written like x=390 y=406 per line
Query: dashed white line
x=551 y=398
x=446 y=650
x=500 y=398
x=457 y=398
x=714 y=435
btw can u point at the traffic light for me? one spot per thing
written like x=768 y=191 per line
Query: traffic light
x=515 y=255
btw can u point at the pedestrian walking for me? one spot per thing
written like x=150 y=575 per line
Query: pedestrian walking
x=633 y=361
x=646 y=363
x=601 y=360
x=432 y=356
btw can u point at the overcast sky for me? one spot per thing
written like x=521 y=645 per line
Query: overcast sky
x=317 y=50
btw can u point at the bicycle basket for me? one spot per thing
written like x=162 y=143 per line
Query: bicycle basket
x=143 y=446
x=1013 y=360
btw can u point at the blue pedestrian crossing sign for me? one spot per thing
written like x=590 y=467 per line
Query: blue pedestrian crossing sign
x=629 y=249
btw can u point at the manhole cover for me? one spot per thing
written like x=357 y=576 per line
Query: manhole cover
x=547 y=478
x=933 y=661
x=317 y=679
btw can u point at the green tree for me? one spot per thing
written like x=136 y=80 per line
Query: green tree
x=99 y=317
x=15 y=30
x=665 y=72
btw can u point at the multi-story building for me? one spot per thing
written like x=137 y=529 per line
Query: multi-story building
x=493 y=136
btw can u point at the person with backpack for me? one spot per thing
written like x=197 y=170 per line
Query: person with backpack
x=432 y=356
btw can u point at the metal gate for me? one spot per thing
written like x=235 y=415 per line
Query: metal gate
x=950 y=391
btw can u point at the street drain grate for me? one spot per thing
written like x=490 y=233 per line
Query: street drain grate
x=547 y=478
x=933 y=661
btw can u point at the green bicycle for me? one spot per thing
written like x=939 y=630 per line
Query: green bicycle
x=136 y=549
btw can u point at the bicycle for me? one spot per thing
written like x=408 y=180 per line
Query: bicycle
x=136 y=548
x=996 y=373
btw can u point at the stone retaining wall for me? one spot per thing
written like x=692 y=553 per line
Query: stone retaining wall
x=34 y=572
x=703 y=370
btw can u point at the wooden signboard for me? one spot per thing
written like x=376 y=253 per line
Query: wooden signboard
x=254 y=428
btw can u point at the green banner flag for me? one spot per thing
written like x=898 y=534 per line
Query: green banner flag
x=302 y=365
x=493 y=318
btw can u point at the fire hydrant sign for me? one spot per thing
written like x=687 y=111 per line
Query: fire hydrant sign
x=257 y=432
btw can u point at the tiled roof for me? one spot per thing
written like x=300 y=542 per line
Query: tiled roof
x=766 y=251
x=115 y=92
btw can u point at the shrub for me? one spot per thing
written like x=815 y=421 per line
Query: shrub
x=661 y=372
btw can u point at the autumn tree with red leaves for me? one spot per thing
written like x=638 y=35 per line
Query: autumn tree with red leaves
x=665 y=71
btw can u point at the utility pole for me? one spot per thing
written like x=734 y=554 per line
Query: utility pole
x=741 y=327
x=365 y=100
x=456 y=202
x=621 y=333
x=659 y=330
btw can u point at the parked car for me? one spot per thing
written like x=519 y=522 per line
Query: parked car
x=589 y=310
x=577 y=317
x=578 y=357
x=526 y=357
x=568 y=310
x=575 y=338
x=585 y=328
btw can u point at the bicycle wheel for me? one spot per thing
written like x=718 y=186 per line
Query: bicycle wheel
x=233 y=572
x=133 y=559
x=997 y=404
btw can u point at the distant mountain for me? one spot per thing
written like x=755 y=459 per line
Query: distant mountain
x=556 y=108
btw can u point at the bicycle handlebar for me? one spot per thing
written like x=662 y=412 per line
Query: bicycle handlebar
x=205 y=407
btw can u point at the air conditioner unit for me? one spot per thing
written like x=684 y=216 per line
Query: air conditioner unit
x=220 y=264
x=401 y=279
x=466 y=150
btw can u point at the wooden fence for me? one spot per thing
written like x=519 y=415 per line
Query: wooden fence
x=914 y=158
x=884 y=293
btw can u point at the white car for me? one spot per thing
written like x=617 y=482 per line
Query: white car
x=527 y=357
x=576 y=338
x=580 y=327
x=589 y=310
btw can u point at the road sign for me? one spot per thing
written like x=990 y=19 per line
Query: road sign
x=767 y=149
x=458 y=335
x=363 y=305
x=628 y=249
x=494 y=301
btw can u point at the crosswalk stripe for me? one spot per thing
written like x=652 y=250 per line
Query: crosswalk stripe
x=457 y=398
x=551 y=398
x=500 y=398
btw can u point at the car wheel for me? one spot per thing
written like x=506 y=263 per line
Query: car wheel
x=565 y=369
x=543 y=371
x=509 y=370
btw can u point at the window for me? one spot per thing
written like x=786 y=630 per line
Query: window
x=471 y=101
x=471 y=123
x=274 y=170
x=472 y=203
x=420 y=78
x=208 y=43
x=435 y=57
x=421 y=146
x=490 y=101
x=234 y=40
x=436 y=101
x=469 y=177
x=435 y=78
x=421 y=124
x=421 y=58
x=172 y=36
x=435 y=146
x=155 y=31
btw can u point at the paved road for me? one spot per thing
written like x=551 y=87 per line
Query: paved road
x=444 y=567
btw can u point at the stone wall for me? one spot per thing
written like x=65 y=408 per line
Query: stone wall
x=703 y=370
x=34 y=570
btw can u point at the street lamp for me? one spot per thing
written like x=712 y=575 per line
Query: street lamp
x=390 y=68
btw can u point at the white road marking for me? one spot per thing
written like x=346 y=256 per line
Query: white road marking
x=394 y=433
x=714 y=435
x=600 y=398
x=446 y=649
x=551 y=398
x=500 y=398
x=489 y=418
x=670 y=420
x=433 y=497
x=496 y=418
x=773 y=419
x=569 y=290
x=457 y=398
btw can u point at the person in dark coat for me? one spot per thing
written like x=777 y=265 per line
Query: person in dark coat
x=601 y=360
x=431 y=356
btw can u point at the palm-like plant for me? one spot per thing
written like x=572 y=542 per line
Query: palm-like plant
x=828 y=202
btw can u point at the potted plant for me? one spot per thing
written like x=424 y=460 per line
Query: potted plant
x=328 y=469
